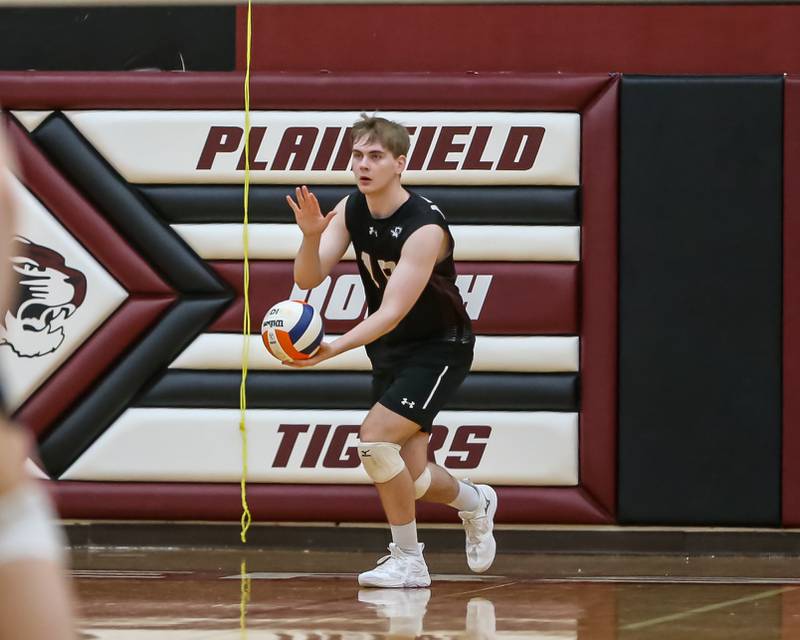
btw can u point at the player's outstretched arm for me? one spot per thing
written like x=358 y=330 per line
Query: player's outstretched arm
x=325 y=238
x=419 y=256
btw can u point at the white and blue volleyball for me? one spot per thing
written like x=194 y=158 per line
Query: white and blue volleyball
x=292 y=330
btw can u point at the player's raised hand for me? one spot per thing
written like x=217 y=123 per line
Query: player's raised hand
x=307 y=213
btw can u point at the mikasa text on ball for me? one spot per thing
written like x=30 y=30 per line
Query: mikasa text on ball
x=292 y=330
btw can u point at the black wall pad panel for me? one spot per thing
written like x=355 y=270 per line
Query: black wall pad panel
x=118 y=38
x=700 y=301
x=74 y=433
x=461 y=205
x=351 y=390
x=124 y=208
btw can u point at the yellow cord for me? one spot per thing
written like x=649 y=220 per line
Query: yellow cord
x=244 y=598
x=246 y=517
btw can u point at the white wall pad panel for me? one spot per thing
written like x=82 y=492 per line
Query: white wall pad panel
x=203 y=445
x=31 y=119
x=463 y=147
x=506 y=243
x=517 y=243
x=527 y=354
x=519 y=354
x=65 y=295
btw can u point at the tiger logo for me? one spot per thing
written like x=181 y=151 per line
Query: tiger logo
x=48 y=293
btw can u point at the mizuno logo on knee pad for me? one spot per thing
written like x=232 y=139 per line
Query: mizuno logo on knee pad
x=381 y=460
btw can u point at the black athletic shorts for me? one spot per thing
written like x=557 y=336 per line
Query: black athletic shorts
x=418 y=380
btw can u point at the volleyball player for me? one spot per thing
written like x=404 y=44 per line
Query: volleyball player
x=417 y=335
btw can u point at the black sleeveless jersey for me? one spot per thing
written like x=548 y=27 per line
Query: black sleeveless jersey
x=439 y=312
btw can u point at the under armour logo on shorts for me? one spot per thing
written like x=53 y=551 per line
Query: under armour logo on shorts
x=408 y=403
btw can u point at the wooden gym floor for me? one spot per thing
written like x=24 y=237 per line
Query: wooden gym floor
x=257 y=593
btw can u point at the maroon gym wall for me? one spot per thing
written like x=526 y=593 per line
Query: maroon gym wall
x=663 y=39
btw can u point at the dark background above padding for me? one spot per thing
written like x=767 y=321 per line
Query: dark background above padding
x=700 y=301
x=117 y=38
x=461 y=205
x=351 y=390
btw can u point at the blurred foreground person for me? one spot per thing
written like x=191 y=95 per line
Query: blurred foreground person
x=35 y=603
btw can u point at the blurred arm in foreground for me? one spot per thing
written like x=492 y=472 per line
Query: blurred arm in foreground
x=35 y=599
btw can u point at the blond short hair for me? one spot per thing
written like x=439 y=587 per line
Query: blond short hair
x=392 y=135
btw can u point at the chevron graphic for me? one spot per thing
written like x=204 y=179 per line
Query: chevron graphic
x=173 y=295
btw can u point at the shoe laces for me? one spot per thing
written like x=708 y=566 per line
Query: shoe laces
x=475 y=528
x=395 y=553
x=476 y=525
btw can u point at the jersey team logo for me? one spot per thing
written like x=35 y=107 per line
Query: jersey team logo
x=396 y=231
x=49 y=293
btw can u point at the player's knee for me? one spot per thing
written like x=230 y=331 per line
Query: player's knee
x=381 y=460
x=423 y=483
x=372 y=431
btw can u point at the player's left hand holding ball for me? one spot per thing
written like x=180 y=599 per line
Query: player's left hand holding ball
x=323 y=353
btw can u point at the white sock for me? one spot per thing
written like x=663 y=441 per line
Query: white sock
x=468 y=498
x=405 y=536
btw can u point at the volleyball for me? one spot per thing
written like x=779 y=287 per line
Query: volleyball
x=292 y=330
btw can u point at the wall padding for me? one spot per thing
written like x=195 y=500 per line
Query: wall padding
x=791 y=305
x=188 y=204
x=511 y=298
x=700 y=301
x=319 y=446
x=517 y=226
x=351 y=389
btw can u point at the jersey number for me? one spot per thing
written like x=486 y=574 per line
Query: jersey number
x=380 y=268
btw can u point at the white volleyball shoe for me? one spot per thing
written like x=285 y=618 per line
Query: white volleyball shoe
x=398 y=570
x=479 y=529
